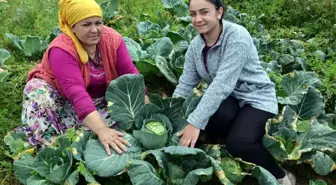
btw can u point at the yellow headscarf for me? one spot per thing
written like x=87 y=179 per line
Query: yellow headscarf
x=71 y=12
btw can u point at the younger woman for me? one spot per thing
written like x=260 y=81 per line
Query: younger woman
x=240 y=97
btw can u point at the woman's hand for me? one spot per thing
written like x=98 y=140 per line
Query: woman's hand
x=189 y=135
x=110 y=137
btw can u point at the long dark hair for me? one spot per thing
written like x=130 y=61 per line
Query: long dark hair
x=218 y=4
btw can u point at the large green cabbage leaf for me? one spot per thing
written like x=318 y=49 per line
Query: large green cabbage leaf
x=190 y=104
x=264 y=177
x=78 y=146
x=125 y=96
x=219 y=172
x=182 y=165
x=73 y=178
x=38 y=180
x=135 y=50
x=165 y=69
x=232 y=169
x=17 y=142
x=53 y=164
x=308 y=141
x=295 y=85
x=162 y=47
x=312 y=105
x=321 y=162
x=143 y=173
x=174 y=105
x=24 y=168
x=97 y=160
x=146 y=28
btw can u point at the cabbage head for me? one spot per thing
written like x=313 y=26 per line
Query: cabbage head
x=156 y=127
x=155 y=132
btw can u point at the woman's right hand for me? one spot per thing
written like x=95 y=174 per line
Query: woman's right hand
x=110 y=137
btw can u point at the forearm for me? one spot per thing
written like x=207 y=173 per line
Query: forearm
x=94 y=121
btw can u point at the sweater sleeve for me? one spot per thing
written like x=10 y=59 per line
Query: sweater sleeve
x=67 y=72
x=229 y=70
x=189 y=78
x=125 y=63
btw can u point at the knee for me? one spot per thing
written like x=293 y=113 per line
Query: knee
x=228 y=110
x=238 y=147
x=227 y=115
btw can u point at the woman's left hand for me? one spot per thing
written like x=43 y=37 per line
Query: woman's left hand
x=189 y=136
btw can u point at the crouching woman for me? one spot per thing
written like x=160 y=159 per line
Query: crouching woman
x=67 y=89
x=240 y=97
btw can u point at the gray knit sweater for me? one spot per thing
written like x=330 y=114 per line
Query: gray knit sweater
x=233 y=69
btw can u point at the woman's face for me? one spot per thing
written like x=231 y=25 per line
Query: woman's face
x=89 y=30
x=204 y=15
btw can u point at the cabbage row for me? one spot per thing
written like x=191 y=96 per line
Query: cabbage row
x=300 y=133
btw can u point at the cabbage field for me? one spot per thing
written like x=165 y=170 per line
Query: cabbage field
x=296 y=42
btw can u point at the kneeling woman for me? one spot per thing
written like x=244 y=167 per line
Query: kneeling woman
x=68 y=88
x=240 y=97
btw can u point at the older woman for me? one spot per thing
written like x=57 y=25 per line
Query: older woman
x=67 y=88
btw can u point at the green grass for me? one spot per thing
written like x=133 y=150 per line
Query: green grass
x=11 y=99
x=39 y=17
x=33 y=17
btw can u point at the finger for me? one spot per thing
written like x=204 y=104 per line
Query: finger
x=181 y=141
x=120 y=145
x=115 y=147
x=107 y=148
x=193 y=142
x=120 y=133
x=184 y=142
x=180 y=133
x=124 y=141
x=187 y=142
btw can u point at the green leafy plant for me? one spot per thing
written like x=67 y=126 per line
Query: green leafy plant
x=29 y=45
x=32 y=46
x=4 y=55
x=301 y=133
x=151 y=130
x=164 y=53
